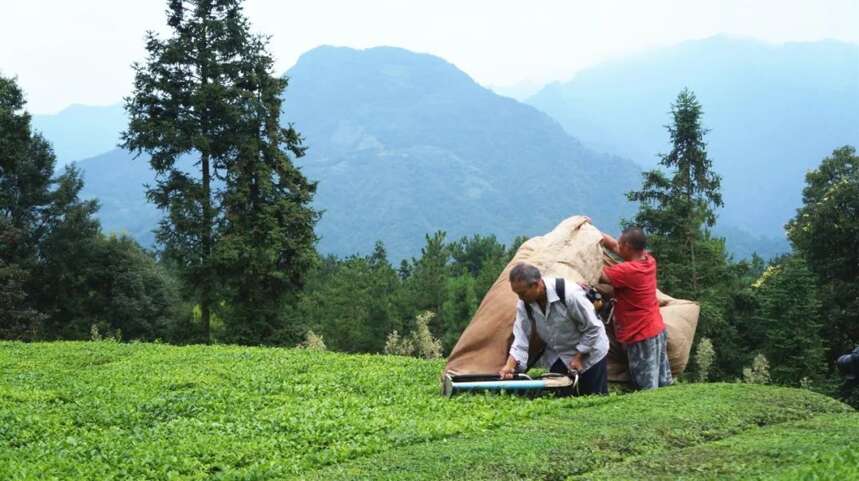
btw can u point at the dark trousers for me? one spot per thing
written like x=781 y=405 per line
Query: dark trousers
x=592 y=381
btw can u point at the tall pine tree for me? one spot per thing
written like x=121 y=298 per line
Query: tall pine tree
x=26 y=166
x=58 y=274
x=35 y=208
x=676 y=211
x=239 y=226
x=428 y=280
x=790 y=314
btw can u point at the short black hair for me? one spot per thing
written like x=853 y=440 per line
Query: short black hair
x=634 y=237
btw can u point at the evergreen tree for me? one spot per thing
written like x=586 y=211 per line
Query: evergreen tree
x=469 y=254
x=341 y=307
x=379 y=258
x=459 y=306
x=19 y=320
x=385 y=289
x=488 y=275
x=825 y=232
x=58 y=274
x=744 y=333
x=115 y=286
x=240 y=228
x=65 y=275
x=428 y=280
x=405 y=269
x=676 y=211
x=34 y=207
x=26 y=167
x=482 y=258
x=349 y=302
x=790 y=313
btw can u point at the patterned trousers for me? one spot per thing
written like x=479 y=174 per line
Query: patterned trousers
x=648 y=362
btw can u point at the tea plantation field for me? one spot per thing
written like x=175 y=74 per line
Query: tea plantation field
x=109 y=411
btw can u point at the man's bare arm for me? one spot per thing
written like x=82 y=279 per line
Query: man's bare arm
x=604 y=279
x=610 y=243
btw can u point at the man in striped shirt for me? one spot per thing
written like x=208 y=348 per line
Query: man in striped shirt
x=575 y=338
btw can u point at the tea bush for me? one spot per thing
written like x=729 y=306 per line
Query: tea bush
x=110 y=411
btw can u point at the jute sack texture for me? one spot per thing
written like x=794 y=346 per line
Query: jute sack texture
x=572 y=251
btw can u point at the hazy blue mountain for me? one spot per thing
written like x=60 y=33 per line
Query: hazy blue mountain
x=774 y=112
x=521 y=91
x=117 y=180
x=404 y=144
x=81 y=131
x=742 y=244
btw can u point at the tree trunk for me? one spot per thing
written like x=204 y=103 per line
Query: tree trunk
x=691 y=227
x=206 y=285
x=692 y=259
x=205 y=291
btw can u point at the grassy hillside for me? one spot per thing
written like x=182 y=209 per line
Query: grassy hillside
x=147 y=411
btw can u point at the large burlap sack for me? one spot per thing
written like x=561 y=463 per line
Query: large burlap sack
x=572 y=251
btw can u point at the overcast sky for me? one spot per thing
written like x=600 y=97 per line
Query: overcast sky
x=79 y=51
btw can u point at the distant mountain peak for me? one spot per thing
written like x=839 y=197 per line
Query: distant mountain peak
x=392 y=63
x=73 y=109
x=332 y=53
x=404 y=144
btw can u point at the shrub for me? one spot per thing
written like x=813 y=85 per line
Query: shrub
x=419 y=344
x=759 y=373
x=426 y=346
x=704 y=357
x=398 y=346
x=313 y=342
x=94 y=335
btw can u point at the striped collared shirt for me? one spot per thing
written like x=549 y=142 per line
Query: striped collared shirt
x=566 y=330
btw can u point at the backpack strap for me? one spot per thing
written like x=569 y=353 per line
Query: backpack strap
x=533 y=339
x=561 y=289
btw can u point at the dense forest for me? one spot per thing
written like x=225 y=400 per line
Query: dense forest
x=236 y=260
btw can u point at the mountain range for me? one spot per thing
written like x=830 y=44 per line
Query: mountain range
x=82 y=131
x=773 y=113
x=404 y=144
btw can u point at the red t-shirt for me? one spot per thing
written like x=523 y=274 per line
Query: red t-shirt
x=636 y=313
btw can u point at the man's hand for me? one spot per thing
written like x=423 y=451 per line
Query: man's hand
x=509 y=369
x=576 y=363
x=610 y=243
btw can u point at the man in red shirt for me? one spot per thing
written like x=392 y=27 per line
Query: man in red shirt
x=638 y=323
